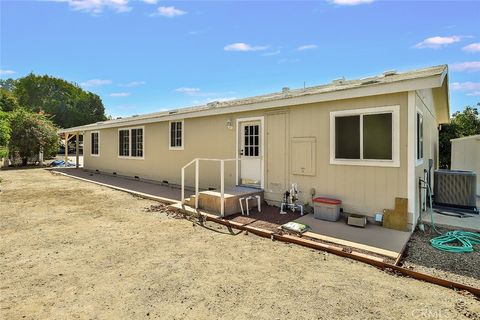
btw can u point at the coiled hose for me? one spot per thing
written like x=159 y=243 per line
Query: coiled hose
x=444 y=241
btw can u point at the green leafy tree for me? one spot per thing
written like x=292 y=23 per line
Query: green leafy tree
x=8 y=101
x=31 y=133
x=7 y=84
x=67 y=103
x=462 y=124
x=4 y=133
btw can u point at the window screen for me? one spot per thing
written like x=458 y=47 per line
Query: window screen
x=347 y=137
x=124 y=143
x=377 y=136
x=137 y=142
x=94 y=143
x=176 y=134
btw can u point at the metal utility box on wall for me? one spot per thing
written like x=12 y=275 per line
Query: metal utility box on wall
x=455 y=188
x=303 y=155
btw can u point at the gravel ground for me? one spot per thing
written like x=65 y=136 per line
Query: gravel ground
x=72 y=249
x=459 y=267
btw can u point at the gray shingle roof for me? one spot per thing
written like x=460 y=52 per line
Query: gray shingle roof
x=337 y=85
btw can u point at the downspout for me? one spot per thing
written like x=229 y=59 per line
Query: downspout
x=411 y=176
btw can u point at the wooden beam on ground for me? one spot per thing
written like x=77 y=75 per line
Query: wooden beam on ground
x=379 y=263
x=383 y=252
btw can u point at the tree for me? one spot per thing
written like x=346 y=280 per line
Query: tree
x=8 y=102
x=67 y=103
x=4 y=133
x=462 y=124
x=8 y=84
x=30 y=134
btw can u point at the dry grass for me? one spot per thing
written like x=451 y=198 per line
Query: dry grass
x=70 y=249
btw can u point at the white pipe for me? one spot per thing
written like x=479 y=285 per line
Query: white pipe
x=197 y=169
x=222 y=188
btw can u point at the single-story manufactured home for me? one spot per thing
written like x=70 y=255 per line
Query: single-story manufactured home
x=366 y=141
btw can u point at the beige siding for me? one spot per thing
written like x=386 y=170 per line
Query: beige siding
x=362 y=189
x=424 y=103
x=466 y=156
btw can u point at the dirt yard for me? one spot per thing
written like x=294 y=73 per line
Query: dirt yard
x=71 y=249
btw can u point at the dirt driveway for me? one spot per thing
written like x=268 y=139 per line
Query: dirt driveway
x=70 y=249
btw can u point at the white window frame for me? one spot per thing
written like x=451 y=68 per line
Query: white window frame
x=419 y=161
x=182 y=147
x=394 y=110
x=130 y=143
x=91 y=144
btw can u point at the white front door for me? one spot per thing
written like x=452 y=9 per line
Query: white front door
x=250 y=153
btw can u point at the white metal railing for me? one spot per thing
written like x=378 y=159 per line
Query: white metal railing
x=197 y=174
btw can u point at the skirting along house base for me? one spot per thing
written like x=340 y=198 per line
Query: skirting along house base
x=365 y=142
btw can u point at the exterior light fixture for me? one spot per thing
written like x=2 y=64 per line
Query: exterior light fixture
x=229 y=124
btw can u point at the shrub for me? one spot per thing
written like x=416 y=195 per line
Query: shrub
x=31 y=133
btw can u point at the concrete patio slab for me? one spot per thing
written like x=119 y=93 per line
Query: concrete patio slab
x=372 y=238
x=151 y=190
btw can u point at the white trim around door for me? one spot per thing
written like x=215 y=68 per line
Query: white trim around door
x=261 y=119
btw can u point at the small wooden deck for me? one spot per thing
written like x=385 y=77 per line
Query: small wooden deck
x=210 y=200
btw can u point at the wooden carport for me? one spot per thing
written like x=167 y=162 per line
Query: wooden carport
x=67 y=136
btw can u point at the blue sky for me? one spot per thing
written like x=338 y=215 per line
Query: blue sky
x=147 y=55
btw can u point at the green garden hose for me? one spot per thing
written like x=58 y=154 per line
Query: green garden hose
x=444 y=241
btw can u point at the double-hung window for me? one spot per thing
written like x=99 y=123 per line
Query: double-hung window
x=365 y=137
x=94 y=143
x=176 y=135
x=130 y=142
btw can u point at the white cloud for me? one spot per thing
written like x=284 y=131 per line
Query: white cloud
x=95 y=83
x=437 y=42
x=350 y=2
x=475 y=93
x=273 y=53
x=188 y=91
x=468 y=66
x=98 y=6
x=307 y=47
x=150 y=1
x=473 y=47
x=244 y=47
x=169 y=12
x=5 y=72
x=119 y=94
x=465 y=86
x=133 y=84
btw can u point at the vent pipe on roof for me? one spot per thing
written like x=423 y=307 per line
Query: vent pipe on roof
x=338 y=80
x=212 y=104
x=389 y=73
